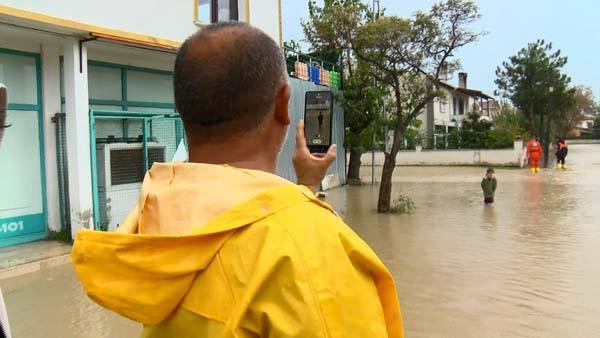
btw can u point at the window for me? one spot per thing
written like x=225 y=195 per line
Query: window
x=443 y=106
x=19 y=73
x=204 y=15
x=104 y=83
x=211 y=11
x=461 y=106
x=149 y=87
x=454 y=106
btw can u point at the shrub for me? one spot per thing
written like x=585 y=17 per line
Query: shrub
x=62 y=236
x=403 y=205
x=499 y=138
x=511 y=124
x=412 y=137
x=473 y=132
x=454 y=139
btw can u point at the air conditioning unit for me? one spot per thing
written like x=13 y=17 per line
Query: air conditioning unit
x=120 y=169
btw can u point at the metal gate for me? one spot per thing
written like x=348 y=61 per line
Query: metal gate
x=124 y=144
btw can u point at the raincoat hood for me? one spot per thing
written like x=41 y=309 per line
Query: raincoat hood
x=185 y=214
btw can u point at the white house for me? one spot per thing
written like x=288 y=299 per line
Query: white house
x=69 y=56
x=584 y=126
x=445 y=113
x=587 y=122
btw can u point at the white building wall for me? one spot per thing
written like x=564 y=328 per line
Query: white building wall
x=9 y=40
x=476 y=157
x=265 y=14
x=444 y=116
x=164 y=19
x=129 y=56
x=51 y=101
x=78 y=137
x=173 y=20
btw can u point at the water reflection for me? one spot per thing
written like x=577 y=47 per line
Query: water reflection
x=489 y=219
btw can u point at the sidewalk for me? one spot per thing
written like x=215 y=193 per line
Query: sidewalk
x=30 y=257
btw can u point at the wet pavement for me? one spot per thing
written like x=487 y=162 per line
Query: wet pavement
x=526 y=267
x=31 y=252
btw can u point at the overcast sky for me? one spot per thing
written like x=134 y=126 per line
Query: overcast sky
x=571 y=25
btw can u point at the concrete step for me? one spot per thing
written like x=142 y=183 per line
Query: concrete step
x=31 y=257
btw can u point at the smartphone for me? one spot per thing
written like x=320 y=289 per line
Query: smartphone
x=318 y=112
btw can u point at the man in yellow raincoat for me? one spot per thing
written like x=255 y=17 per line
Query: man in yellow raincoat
x=220 y=246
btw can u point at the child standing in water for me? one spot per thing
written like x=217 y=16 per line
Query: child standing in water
x=488 y=185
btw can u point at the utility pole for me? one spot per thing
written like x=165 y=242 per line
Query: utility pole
x=375 y=15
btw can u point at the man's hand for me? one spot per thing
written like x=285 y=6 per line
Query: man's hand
x=311 y=168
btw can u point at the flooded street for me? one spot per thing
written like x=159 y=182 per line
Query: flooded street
x=527 y=267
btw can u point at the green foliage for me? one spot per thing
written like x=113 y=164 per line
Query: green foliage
x=508 y=125
x=292 y=45
x=499 y=138
x=403 y=205
x=596 y=132
x=474 y=131
x=362 y=108
x=62 y=236
x=440 y=142
x=328 y=31
x=412 y=137
x=535 y=83
x=453 y=139
x=331 y=27
x=526 y=80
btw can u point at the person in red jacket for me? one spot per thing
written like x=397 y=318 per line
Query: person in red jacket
x=534 y=153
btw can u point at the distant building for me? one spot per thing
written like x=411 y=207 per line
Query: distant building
x=584 y=127
x=445 y=113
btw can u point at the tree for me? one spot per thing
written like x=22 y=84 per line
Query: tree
x=408 y=55
x=328 y=31
x=561 y=99
x=534 y=82
x=583 y=101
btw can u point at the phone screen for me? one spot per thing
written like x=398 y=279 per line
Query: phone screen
x=317 y=120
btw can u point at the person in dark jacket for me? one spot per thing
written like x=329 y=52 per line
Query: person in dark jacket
x=561 y=152
x=488 y=185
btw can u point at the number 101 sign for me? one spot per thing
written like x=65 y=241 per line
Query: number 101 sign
x=11 y=227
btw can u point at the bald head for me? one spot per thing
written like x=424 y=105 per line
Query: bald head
x=226 y=80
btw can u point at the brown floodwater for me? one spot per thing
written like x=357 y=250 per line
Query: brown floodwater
x=529 y=266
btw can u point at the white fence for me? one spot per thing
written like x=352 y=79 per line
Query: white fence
x=460 y=157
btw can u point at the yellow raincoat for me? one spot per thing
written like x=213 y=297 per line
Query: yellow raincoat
x=214 y=251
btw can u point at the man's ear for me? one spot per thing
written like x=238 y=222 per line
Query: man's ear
x=282 y=103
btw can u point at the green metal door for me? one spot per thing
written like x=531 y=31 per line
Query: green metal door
x=22 y=178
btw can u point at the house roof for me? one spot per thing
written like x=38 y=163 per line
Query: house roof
x=19 y=17
x=470 y=92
